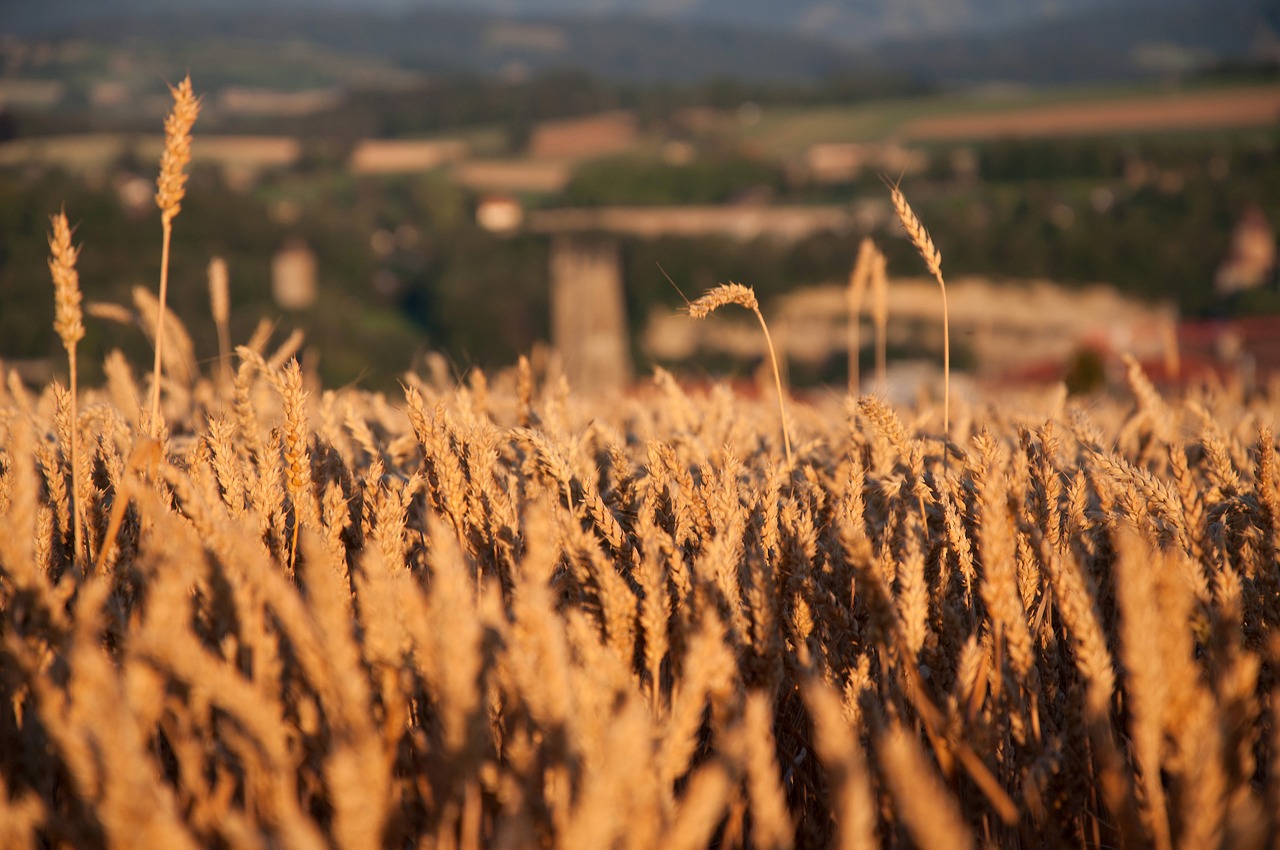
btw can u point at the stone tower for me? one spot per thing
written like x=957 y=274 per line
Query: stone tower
x=588 y=318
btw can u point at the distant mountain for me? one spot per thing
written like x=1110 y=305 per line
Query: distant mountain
x=845 y=21
x=1103 y=44
x=848 y=21
x=625 y=48
x=938 y=42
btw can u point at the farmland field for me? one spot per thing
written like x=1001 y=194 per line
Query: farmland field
x=1015 y=113
x=502 y=614
x=1208 y=110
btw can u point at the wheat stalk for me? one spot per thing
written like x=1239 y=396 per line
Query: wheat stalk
x=297 y=458
x=933 y=261
x=171 y=188
x=929 y=813
x=736 y=293
x=68 y=322
x=220 y=307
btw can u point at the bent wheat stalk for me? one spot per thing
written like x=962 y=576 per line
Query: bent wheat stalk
x=743 y=296
x=171 y=188
x=933 y=261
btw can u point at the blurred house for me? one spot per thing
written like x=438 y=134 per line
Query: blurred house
x=1251 y=259
x=590 y=136
x=384 y=156
x=293 y=277
x=240 y=158
x=840 y=162
x=243 y=159
x=736 y=221
x=512 y=175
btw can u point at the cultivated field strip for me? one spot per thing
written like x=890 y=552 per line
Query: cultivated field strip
x=503 y=615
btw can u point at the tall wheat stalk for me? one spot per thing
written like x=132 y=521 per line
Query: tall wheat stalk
x=171 y=188
x=743 y=296
x=68 y=322
x=296 y=456
x=933 y=261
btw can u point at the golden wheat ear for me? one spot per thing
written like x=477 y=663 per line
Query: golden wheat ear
x=171 y=188
x=933 y=261
x=68 y=321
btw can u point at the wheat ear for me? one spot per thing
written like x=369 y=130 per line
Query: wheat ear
x=743 y=296
x=68 y=322
x=297 y=458
x=933 y=260
x=171 y=187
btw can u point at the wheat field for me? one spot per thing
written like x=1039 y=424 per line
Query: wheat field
x=259 y=613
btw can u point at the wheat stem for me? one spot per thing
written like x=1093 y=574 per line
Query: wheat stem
x=159 y=354
x=171 y=187
x=220 y=307
x=743 y=296
x=777 y=383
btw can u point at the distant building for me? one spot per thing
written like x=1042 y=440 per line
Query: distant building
x=582 y=138
x=512 y=175
x=397 y=156
x=499 y=214
x=1251 y=259
x=838 y=162
x=293 y=277
x=737 y=221
x=588 y=315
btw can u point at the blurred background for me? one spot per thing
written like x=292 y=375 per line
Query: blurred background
x=491 y=178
